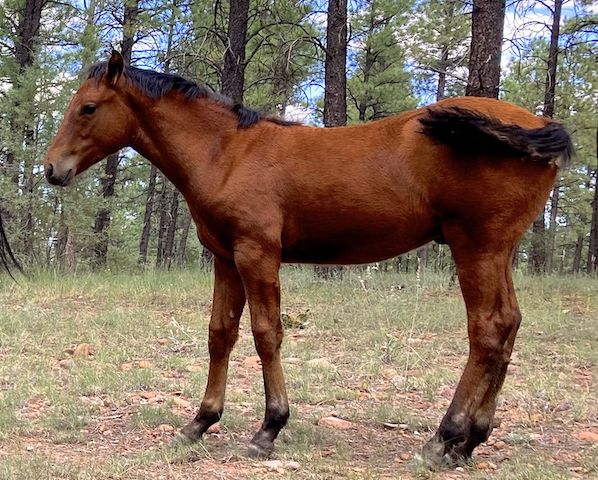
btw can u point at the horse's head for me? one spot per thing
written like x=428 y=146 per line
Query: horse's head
x=97 y=122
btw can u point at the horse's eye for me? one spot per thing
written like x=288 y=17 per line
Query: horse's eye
x=89 y=109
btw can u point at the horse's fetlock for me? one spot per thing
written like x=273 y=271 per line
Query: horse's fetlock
x=276 y=418
x=454 y=429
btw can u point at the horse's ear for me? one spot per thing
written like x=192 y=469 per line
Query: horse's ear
x=116 y=65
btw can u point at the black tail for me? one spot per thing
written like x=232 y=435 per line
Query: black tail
x=7 y=258
x=471 y=132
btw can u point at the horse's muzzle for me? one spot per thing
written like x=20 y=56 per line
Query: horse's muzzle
x=55 y=179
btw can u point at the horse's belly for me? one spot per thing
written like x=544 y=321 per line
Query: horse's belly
x=357 y=246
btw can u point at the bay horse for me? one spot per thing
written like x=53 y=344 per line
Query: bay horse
x=469 y=172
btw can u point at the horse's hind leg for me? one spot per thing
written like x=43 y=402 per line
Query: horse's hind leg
x=227 y=307
x=484 y=271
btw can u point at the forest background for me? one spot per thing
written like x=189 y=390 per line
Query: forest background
x=278 y=57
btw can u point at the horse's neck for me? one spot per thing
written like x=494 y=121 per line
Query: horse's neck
x=182 y=138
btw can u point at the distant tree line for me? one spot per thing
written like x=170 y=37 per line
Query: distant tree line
x=333 y=63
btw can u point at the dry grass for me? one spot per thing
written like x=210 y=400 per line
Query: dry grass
x=371 y=348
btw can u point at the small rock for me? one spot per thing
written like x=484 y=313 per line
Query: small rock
x=588 y=436
x=125 y=367
x=486 y=466
x=166 y=428
x=67 y=363
x=459 y=469
x=279 y=465
x=215 y=428
x=334 y=422
x=162 y=341
x=82 y=350
x=29 y=448
x=148 y=395
x=499 y=445
x=181 y=402
x=273 y=464
x=405 y=456
x=144 y=364
x=292 y=465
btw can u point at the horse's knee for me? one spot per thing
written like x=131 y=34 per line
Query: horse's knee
x=221 y=339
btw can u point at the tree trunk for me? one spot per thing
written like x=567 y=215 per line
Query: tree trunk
x=487 y=22
x=163 y=222
x=147 y=217
x=538 y=248
x=335 y=86
x=335 y=69
x=442 y=66
x=542 y=250
x=169 y=249
x=551 y=243
x=233 y=71
x=577 y=254
x=108 y=180
x=592 y=263
x=553 y=52
x=182 y=249
x=21 y=120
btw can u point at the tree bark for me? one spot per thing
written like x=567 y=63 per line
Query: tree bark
x=538 y=248
x=108 y=180
x=233 y=71
x=335 y=86
x=553 y=53
x=592 y=262
x=169 y=247
x=442 y=66
x=22 y=122
x=486 y=44
x=182 y=249
x=335 y=69
x=147 y=217
x=577 y=254
x=163 y=222
x=543 y=242
x=551 y=243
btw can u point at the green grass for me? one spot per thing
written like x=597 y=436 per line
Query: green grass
x=370 y=348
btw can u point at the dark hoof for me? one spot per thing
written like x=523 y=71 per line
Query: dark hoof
x=438 y=455
x=189 y=434
x=181 y=440
x=260 y=451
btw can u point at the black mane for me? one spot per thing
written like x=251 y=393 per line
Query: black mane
x=156 y=85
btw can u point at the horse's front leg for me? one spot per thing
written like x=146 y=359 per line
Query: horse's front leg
x=227 y=307
x=259 y=266
x=493 y=321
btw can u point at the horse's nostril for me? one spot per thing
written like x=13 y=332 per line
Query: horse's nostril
x=49 y=171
